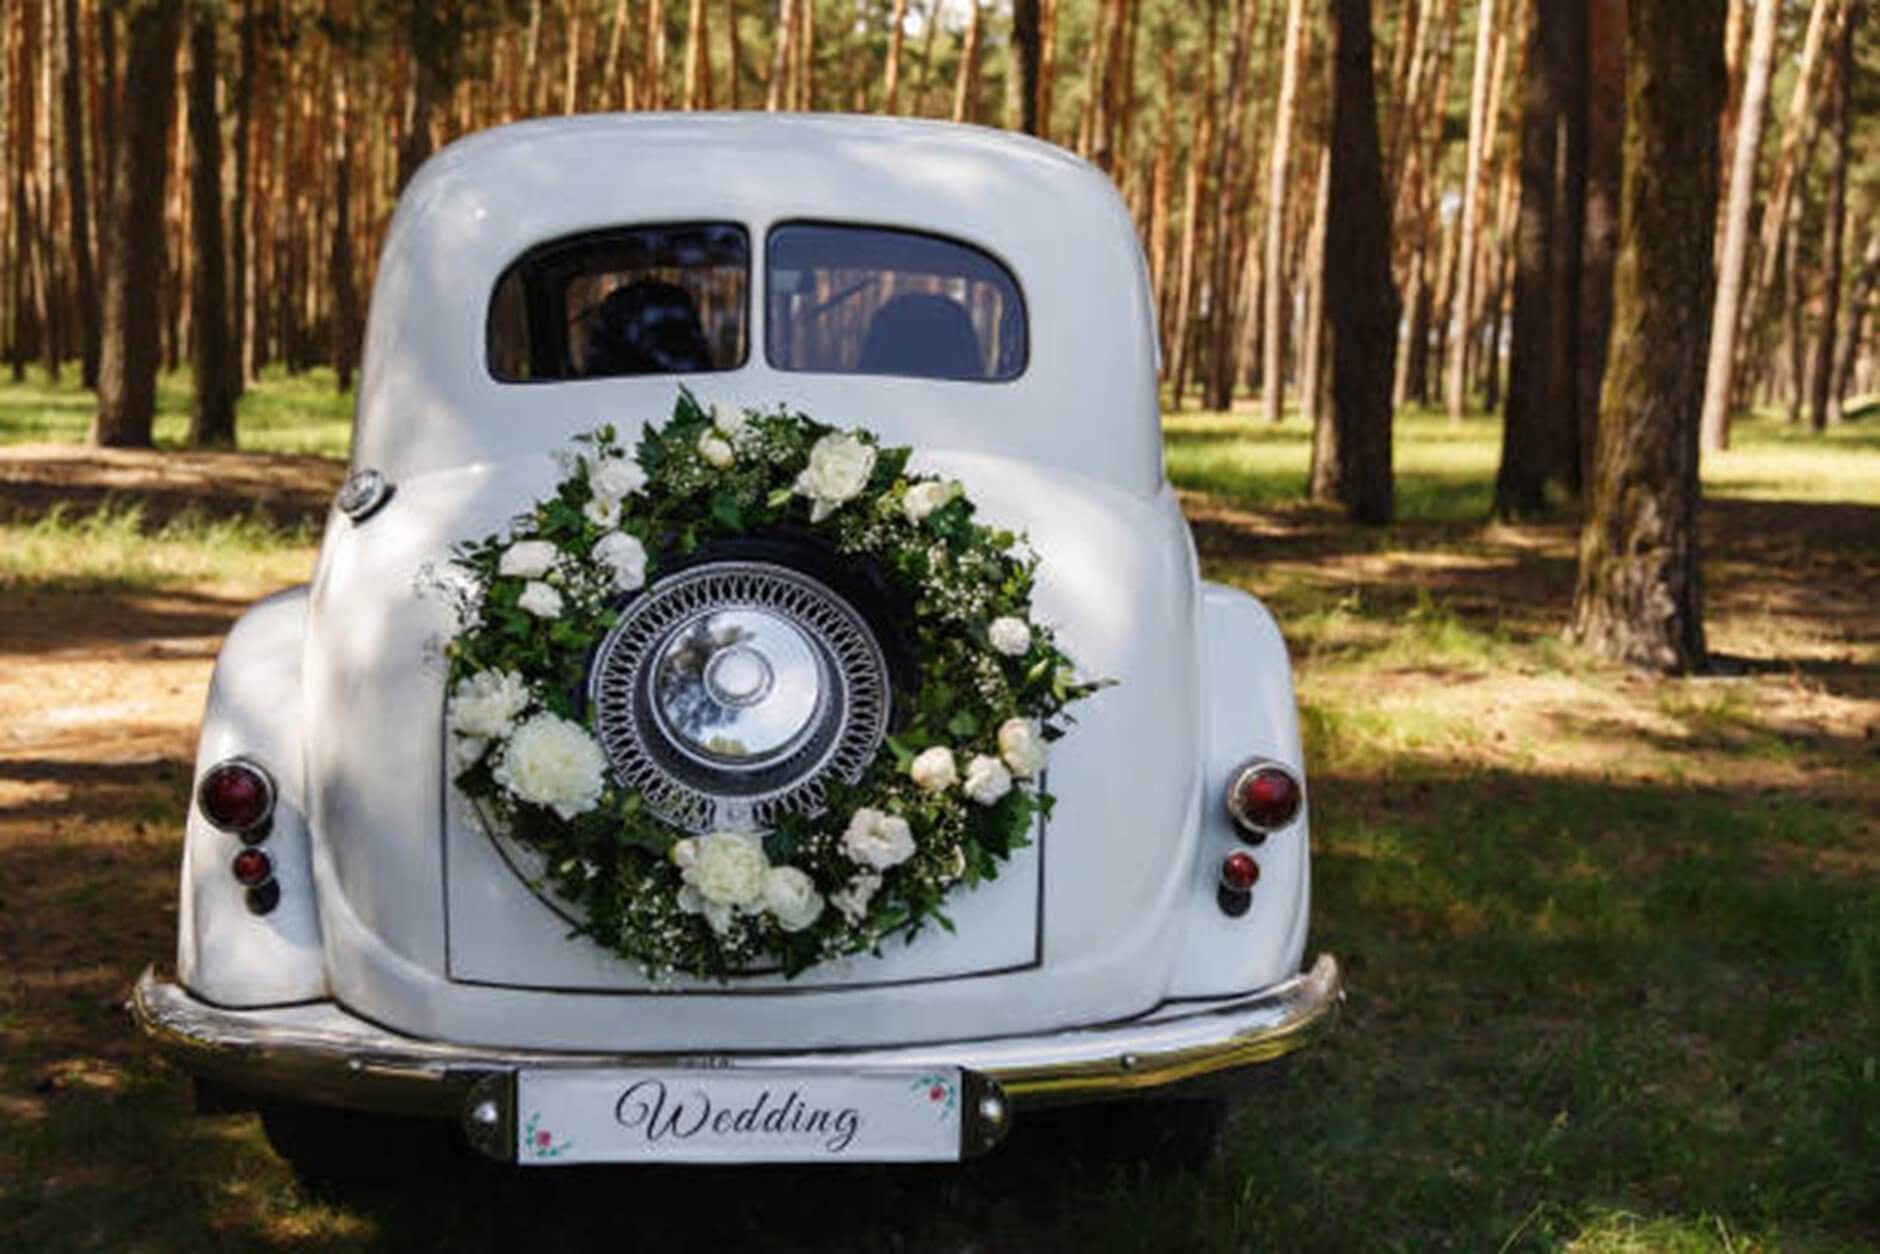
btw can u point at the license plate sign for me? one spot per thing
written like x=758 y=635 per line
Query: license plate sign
x=757 y=1115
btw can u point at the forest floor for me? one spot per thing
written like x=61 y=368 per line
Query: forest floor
x=1612 y=939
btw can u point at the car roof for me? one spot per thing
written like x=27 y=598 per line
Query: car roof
x=427 y=399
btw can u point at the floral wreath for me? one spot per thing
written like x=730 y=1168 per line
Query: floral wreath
x=952 y=794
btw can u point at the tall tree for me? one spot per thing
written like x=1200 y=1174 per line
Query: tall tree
x=891 y=85
x=698 y=63
x=1273 y=372
x=212 y=405
x=1599 y=236
x=76 y=197
x=1220 y=382
x=133 y=258
x=1479 y=114
x=1734 y=254
x=966 y=86
x=1639 y=600
x=1540 y=438
x=1351 y=456
x=1026 y=33
x=1834 y=221
x=344 y=319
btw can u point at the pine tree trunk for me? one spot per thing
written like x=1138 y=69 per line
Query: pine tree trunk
x=1605 y=176
x=345 y=329
x=1540 y=438
x=77 y=197
x=1047 y=63
x=698 y=65
x=1272 y=370
x=1464 y=303
x=1311 y=372
x=966 y=85
x=734 y=57
x=1834 y=223
x=891 y=87
x=778 y=94
x=1025 y=41
x=653 y=71
x=133 y=256
x=1859 y=297
x=241 y=264
x=1733 y=257
x=1639 y=599
x=1351 y=465
x=1220 y=381
x=212 y=407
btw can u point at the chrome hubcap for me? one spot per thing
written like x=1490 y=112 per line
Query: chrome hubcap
x=739 y=689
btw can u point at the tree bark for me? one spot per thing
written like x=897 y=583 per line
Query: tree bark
x=1025 y=40
x=698 y=64
x=1540 y=438
x=1351 y=464
x=653 y=70
x=345 y=319
x=891 y=87
x=1273 y=372
x=1047 y=63
x=777 y=95
x=1834 y=224
x=1639 y=600
x=78 y=199
x=1859 y=298
x=966 y=85
x=212 y=407
x=1312 y=371
x=241 y=264
x=1599 y=238
x=133 y=260
x=1220 y=381
x=1734 y=255
x=1464 y=303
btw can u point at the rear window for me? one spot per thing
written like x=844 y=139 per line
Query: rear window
x=868 y=300
x=644 y=300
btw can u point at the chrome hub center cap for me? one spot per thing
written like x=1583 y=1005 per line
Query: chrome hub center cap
x=737 y=688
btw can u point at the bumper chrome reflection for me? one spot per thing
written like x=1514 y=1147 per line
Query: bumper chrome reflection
x=319 y=1053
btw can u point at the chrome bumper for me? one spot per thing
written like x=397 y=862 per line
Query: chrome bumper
x=321 y=1054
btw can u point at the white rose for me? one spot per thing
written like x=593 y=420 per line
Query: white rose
x=527 y=559
x=791 y=898
x=924 y=498
x=838 y=470
x=729 y=868
x=716 y=913
x=540 y=600
x=487 y=703
x=987 y=780
x=716 y=452
x=602 y=511
x=625 y=556
x=1022 y=746
x=617 y=477
x=1010 y=636
x=878 y=840
x=684 y=853
x=933 y=769
x=956 y=865
x=852 y=900
x=730 y=422
x=554 y=763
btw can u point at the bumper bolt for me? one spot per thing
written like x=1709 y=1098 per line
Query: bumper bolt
x=992 y=1109
x=485 y=1113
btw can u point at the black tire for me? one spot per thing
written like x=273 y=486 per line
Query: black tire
x=329 y=1148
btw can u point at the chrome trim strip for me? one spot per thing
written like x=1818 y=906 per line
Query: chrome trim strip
x=321 y=1054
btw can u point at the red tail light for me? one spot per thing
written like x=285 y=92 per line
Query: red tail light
x=1263 y=797
x=252 y=867
x=1239 y=872
x=237 y=796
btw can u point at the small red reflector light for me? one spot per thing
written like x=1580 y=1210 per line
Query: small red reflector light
x=1239 y=871
x=1263 y=797
x=236 y=796
x=251 y=867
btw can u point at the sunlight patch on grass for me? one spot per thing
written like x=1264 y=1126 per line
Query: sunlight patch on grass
x=113 y=549
x=279 y=412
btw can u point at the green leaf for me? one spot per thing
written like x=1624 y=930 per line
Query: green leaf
x=725 y=510
x=963 y=724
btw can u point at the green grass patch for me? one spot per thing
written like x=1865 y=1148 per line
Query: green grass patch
x=113 y=549
x=279 y=412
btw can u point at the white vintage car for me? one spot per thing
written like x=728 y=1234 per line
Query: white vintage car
x=360 y=934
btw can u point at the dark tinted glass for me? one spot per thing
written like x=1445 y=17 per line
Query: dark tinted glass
x=864 y=300
x=634 y=301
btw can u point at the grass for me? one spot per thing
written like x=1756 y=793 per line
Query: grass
x=279 y=413
x=1612 y=940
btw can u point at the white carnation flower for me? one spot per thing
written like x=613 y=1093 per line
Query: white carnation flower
x=1023 y=747
x=486 y=704
x=602 y=511
x=852 y=899
x=716 y=451
x=791 y=898
x=877 y=839
x=625 y=556
x=728 y=868
x=527 y=559
x=838 y=470
x=617 y=478
x=924 y=498
x=987 y=780
x=466 y=752
x=553 y=762
x=933 y=769
x=1010 y=636
x=540 y=599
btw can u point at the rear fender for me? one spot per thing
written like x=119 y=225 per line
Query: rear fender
x=225 y=953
